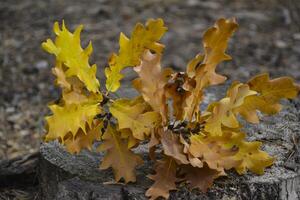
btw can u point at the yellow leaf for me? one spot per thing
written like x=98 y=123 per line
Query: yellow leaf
x=195 y=162
x=82 y=140
x=270 y=92
x=252 y=158
x=248 y=153
x=165 y=179
x=151 y=82
x=212 y=152
x=222 y=112
x=69 y=119
x=79 y=97
x=133 y=114
x=61 y=79
x=142 y=37
x=68 y=51
x=122 y=160
x=127 y=134
x=202 y=67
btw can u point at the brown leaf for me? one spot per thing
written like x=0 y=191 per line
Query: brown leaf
x=202 y=67
x=118 y=156
x=154 y=140
x=195 y=162
x=127 y=134
x=151 y=82
x=173 y=147
x=215 y=155
x=164 y=179
x=84 y=140
x=179 y=89
x=201 y=178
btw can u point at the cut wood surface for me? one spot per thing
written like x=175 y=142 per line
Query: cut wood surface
x=65 y=176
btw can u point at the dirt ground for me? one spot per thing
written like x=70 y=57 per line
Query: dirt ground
x=268 y=40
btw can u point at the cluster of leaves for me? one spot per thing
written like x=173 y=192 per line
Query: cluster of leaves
x=196 y=146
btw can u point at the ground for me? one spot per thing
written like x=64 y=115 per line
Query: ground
x=268 y=39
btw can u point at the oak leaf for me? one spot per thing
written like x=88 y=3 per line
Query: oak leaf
x=122 y=160
x=202 y=67
x=270 y=92
x=127 y=134
x=214 y=154
x=151 y=82
x=222 y=112
x=200 y=178
x=69 y=119
x=61 y=79
x=134 y=114
x=84 y=141
x=195 y=162
x=179 y=88
x=173 y=147
x=164 y=180
x=68 y=52
x=131 y=50
x=248 y=153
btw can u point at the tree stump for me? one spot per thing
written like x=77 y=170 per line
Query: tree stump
x=63 y=176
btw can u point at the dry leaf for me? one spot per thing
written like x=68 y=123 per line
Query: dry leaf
x=202 y=67
x=221 y=113
x=68 y=51
x=270 y=92
x=122 y=160
x=173 y=147
x=69 y=119
x=201 y=178
x=216 y=156
x=164 y=179
x=151 y=82
x=131 y=50
x=84 y=141
x=179 y=89
x=133 y=114
x=248 y=153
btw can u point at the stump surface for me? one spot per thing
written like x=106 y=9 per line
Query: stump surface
x=64 y=176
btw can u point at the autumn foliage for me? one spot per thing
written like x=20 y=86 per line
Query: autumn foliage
x=196 y=146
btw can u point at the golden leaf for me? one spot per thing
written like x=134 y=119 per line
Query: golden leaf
x=222 y=111
x=131 y=50
x=248 y=153
x=82 y=140
x=68 y=52
x=122 y=160
x=151 y=82
x=134 y=114
x=69 y=119
x=61 y=79
x=164 y=179
x=214 y=154
x=270 y=92
x=202 y=67
x=195 y=162
x=127 y=134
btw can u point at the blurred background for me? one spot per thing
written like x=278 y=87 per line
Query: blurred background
x=268 y=40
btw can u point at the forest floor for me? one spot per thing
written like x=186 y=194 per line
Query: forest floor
x=268 y=39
